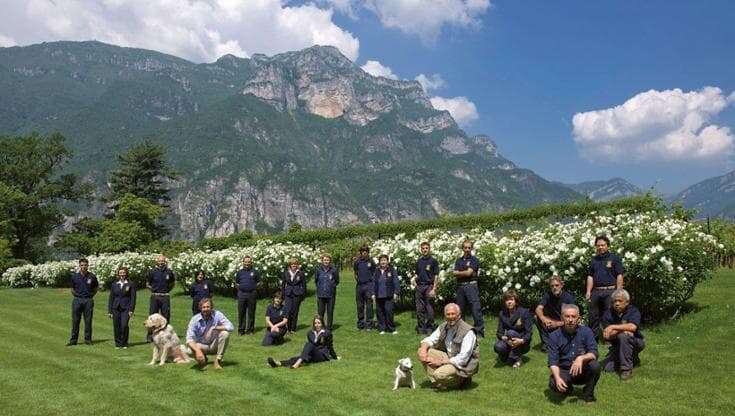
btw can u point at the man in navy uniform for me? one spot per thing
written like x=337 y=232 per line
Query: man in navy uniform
x=293 y=288
x=622 y=328
x=468 y=293
x=84 y=286
x=121 y=306
x=573 y=356
x=276 y=321
x=427 y=270
x=548 y=311
x=246 y=282
x=326 y=279
x=364 y=267
x=605 y=274
x=160 y=281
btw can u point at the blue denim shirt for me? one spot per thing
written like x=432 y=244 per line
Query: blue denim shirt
x=198 y=326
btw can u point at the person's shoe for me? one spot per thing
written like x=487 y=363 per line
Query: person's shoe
x=626 y=375
x=88 y=342
x=125 y=347
x=589 y=399
x=240 y=333
x=465 y=382
x=273 y=363
x=517 y=364
x=71 y=343
x=382 y=332
x=368 y=329
x=394 y=333
x=216 y=365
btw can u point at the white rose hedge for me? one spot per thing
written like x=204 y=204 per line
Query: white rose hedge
x=664 y=258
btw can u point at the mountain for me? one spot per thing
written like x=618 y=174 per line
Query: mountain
x=304 y=136
x=606 y=190
x=714 y=197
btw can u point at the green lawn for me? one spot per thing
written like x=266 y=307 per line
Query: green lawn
x=687 y=367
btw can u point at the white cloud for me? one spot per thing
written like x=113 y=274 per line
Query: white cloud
x=199 y=30
x=425 y=18
x=6 y=42
x=658 y=126
x=377 y=69
x=431 y=83
x=463 y=111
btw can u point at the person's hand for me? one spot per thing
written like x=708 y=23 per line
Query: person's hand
x=339 y=357
x=109 y=315
x=504 y=338
x=576 y=367
x=608 y=333
x=395 y=298
x=372 y=297
x=548 y=323
x=130 y=314
x=588 y=296
x=432 y=293
x=423 y=355
x=274 y=328
x=210 y=332
x=560 y=384
x=516 y=342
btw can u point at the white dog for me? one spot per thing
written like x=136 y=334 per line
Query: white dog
x=165 y=341
x=404 y=374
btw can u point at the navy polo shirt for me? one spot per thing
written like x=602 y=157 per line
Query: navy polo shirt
x=247 y=279
x=426 y=270
x=564 y=348
x=464 y=263
x=84 y=286
x=552 y=304
x=161 y=280
x=604 y=269
x=386 y=283
x=364 y=270
x=520 y=321
x=326 y=281
x=201 y=290
x=276 y=315
x=631 y=315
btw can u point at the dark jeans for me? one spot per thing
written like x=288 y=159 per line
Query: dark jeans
x=468 y=297
x=271 y=337
x=600 y=301
x=159 y=304
x=424 y=310
x=292 y=305
x=623 y=353
x=120 y=329
x=385 y=314
x=508 y=354
x=589 y=376
x=310 y=354
x=79 y=307
x=246 y=311
x=326 y=305
x=364 y=301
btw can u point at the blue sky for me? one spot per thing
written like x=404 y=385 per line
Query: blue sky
x=633 y=72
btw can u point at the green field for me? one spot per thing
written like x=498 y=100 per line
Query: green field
x=687 y=367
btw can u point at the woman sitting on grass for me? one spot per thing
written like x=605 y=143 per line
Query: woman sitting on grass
x=318 y=347
x=515 y=327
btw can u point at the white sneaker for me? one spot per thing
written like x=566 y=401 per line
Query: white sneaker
x=382 y=332
x=394 y=332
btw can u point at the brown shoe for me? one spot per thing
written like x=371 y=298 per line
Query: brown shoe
x=626 y=375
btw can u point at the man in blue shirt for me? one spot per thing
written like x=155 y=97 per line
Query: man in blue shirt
x=160 y=281
x=468 y=293
x=605 y=274
x=548 y=311
x=246 y=282
x=573 y=356
x=622 y=328
x=364 y=267
x=208 y=332
x=326 y=279
x=427 y=270
x=84 y=286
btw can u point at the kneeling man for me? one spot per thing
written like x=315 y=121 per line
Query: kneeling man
x=208 y=333
x=573 y=356
x=451 y=354
x=622 y=328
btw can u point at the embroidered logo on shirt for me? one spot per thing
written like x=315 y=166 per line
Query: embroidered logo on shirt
x=127 y=289
x=428 y=267
x=609 y=264
x=205 y=287
x=519 y=322
x=89 y=281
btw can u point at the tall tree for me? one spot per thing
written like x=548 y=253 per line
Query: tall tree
x=142 y=172
x=31 y=190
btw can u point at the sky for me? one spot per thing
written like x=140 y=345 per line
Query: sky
x=574 y=90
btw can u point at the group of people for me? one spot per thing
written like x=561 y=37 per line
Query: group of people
x=449 y=352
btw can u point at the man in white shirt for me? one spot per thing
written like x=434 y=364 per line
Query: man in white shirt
x=451 y=354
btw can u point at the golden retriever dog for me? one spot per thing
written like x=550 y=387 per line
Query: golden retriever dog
x=165 y=341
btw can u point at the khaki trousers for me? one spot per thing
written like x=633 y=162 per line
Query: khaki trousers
x=218 y=345
x=443 y=377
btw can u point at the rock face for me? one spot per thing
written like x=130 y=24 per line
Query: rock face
x=606 y=190
x=714 y=197
x=261 y=143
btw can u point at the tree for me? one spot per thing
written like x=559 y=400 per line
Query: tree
x=31 y=190
x=142 y=172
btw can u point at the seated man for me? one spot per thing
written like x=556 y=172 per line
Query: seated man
x=451 y=354
x=208 y=333
x=573 y=356
x=548 y=311
x=622 y=328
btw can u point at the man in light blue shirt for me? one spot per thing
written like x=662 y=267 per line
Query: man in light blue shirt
x=208 y=333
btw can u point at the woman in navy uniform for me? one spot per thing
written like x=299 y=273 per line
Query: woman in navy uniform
x=515 y=327
x=319 y=347
x=202 y=288
x=276 y=321
x=293 y=288
x=121 y=306
x=386 y=290
x=326 y=279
